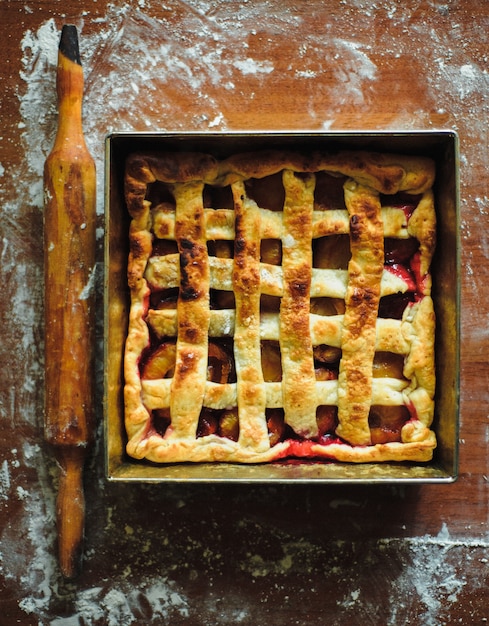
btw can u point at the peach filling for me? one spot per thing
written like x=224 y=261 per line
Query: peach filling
x=160 y=363
x=220 y=369
x=333 y=251
x=386 y=422
x=326 y=363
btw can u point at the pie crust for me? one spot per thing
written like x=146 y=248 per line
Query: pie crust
x=280 y=307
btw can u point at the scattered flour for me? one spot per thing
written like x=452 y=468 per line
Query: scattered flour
x=250 y=66
x=432 y=574
x=152 y=66
x=4 y=481
x=38 y=529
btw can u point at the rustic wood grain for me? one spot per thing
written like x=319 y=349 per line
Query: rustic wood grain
x=69 y=299
x=247 y=554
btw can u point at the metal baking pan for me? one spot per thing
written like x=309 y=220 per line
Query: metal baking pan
x=442 y=146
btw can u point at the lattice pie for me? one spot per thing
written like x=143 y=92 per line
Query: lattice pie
x=280 y=307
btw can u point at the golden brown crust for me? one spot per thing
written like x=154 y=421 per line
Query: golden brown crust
x=192 y=312
x=250 y=393
x=384 y=173
x=299 y=389
x=271 y=300
x=359 y=322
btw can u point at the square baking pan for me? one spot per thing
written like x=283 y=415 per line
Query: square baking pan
x=442 y=146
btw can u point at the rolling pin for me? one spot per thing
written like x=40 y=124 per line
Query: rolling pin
x=69 y=266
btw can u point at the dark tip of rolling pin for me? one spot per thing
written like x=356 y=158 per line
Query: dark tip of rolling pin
x=68 y=44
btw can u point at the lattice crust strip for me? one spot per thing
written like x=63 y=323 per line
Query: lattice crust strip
x=280 y=307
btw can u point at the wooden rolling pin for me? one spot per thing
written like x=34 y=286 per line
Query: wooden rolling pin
x=69 y=265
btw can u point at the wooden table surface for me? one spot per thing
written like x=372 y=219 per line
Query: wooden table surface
x=224 y=554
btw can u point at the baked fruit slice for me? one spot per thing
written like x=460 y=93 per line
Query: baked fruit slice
x=280 y=307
